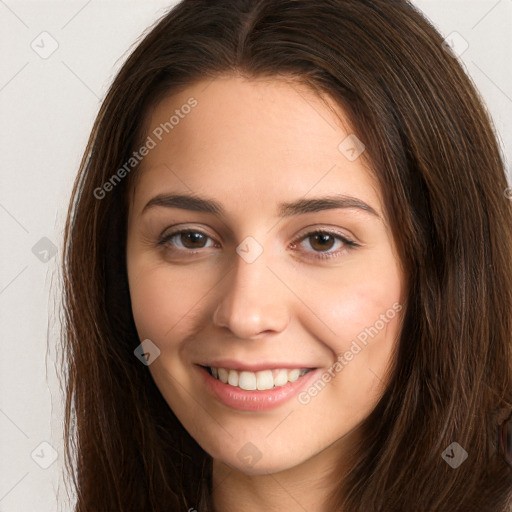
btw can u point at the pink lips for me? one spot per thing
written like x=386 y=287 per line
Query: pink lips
x=244 y=400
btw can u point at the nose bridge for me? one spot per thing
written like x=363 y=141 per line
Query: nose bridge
x=253 y=300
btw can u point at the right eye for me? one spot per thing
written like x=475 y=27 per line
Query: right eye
x=185 y=240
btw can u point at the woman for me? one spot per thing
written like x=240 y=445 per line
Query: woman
x=288 y=270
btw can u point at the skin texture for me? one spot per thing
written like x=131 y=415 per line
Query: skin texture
x=250 y=145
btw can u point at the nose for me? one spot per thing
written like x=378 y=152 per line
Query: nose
x=253 y=301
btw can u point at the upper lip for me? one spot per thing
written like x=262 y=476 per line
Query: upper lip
x=230 y=364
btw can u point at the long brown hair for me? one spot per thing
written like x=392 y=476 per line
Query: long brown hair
x=432 y=147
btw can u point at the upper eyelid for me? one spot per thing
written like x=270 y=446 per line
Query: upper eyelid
x=303 y=232
x=332 y=231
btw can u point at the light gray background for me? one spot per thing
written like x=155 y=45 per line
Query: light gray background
x=47 y=107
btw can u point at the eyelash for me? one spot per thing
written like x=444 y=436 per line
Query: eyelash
x=349 y=244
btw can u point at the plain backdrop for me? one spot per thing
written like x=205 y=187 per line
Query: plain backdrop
x=57 y=61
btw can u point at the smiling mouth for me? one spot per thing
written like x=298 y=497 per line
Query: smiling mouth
x=260 y=380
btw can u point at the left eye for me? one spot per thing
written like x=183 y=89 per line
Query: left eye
x=320 y=241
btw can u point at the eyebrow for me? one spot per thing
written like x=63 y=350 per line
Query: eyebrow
x=299 y=207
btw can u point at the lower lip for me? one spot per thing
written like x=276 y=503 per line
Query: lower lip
x=244 y=400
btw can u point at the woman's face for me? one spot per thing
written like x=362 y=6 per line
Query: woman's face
x=247 y=283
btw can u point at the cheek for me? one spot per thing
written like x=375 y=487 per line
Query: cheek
x=162 y=300
x=356 y=303
x=360 y=312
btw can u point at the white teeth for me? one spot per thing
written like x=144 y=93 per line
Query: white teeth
x=247 y=380
x=293 y=375
x=281 y=378
x=233 y=378
x=223 y=375
x=264 y=380
x=261 y=380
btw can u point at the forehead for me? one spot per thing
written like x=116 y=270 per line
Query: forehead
x=251 y=140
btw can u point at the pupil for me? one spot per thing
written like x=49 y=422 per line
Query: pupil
x=322 y=238
x=192 y=237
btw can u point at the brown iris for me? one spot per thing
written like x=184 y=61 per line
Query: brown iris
x=324 y=239
x=194 y=238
